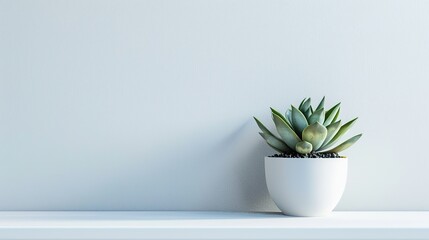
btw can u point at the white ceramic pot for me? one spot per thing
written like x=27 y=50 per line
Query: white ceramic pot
x=306 y=187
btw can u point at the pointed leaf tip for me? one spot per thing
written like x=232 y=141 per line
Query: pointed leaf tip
x=302 y=102
x=331 y=113
x=341 y=132
x=279 y=114
x=348 y=143
x=321 y=104
x=305 y=106
x=317 y=116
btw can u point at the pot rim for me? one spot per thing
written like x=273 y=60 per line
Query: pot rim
x=283 y=158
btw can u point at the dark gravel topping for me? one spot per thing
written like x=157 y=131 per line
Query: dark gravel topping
x=308 y=155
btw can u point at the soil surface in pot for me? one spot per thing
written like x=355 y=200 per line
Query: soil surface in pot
x=308 y=155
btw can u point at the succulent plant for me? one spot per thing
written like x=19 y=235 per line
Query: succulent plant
x=305 y=130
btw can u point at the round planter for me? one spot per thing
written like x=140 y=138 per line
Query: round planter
x=306 y=187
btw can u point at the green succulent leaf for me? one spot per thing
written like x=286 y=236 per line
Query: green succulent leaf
x=317 y=116
x=305 y=106
x=308 y=113
x=330 y=114
x=321 y=104
x=336 y=116
x=299 y=121
x=281 y=116
x=306 y=130
x=333 y=129
x=288 y=116
x=268 y=135
x=343 y=146
x=343 y=130
x=285 y=131
x=332 y=108
x=275 y=143
x=262 y=126
x=303 y=147
x=302 y=103
x=315 y=134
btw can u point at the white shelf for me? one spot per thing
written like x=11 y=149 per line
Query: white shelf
x=212 y=225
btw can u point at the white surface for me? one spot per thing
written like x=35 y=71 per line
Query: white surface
x=148 y=105
x=306 y=186
x=212 y=225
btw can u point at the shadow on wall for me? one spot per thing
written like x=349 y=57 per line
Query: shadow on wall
x=243 y=152
x=225 y=173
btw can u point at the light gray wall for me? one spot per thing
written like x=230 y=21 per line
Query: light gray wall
x=125 y=105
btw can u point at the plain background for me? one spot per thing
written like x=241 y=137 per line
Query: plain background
x=148 y=105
